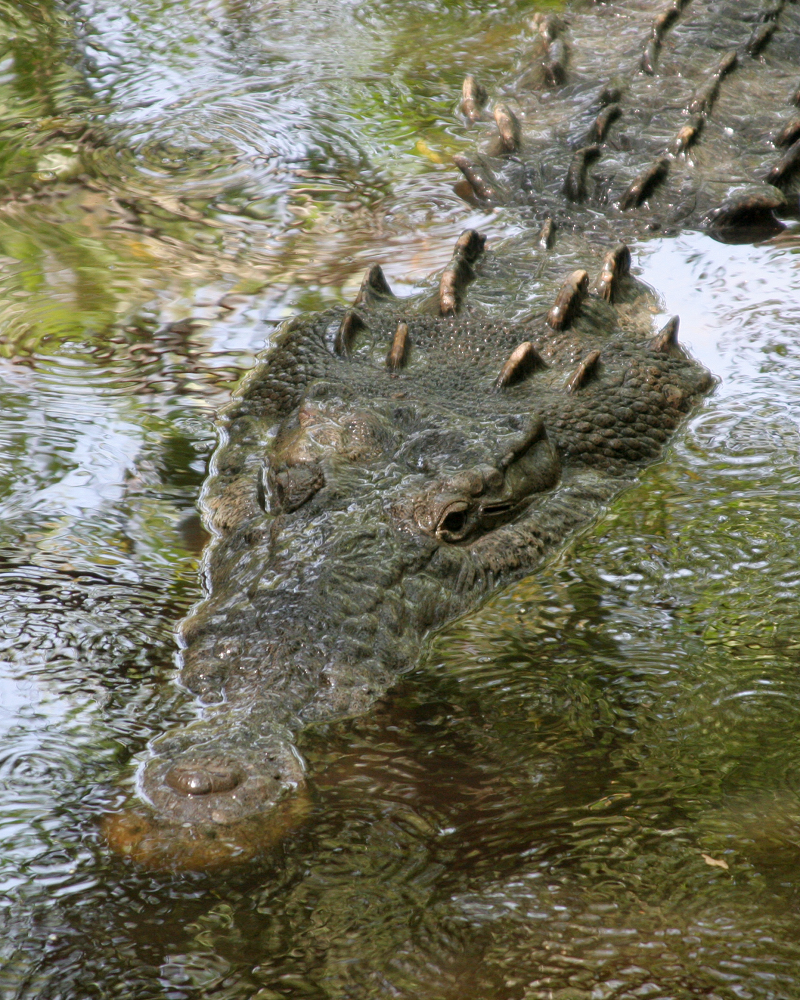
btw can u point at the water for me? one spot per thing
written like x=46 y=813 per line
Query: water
x=591 y=788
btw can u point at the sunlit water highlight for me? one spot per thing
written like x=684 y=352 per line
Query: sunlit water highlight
x=591 y=789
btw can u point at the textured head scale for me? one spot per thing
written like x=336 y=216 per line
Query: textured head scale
x=381 y=468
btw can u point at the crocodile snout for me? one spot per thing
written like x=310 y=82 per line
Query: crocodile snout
x=211 y=805
x=204 y=777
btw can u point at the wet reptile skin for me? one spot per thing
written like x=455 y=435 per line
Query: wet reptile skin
x=383 y=468
x=656 y=115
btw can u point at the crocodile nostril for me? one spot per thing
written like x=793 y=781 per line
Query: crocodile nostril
x=203 y=777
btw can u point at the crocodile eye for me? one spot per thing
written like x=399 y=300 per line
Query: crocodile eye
x=454 y=522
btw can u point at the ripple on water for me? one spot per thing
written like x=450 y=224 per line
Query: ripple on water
x=592 y=790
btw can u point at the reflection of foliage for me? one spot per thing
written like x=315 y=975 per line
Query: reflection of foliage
x=107 y=215
x=86 y=241
x=45 y=103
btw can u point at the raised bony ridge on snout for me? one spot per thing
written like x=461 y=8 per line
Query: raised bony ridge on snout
x=356 y=506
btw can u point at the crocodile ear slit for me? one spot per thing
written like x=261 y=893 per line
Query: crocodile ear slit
x=666 y=340
x=523 y=361
x=568 y=301
x=346 y=334
x=584 y=371
x=459 y=272
x=397 y=353
x=373 y=286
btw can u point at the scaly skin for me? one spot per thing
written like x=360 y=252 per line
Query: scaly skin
x=380 y=471
x=648 y=115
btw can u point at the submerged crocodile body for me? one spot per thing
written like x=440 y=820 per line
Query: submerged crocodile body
x=380 y=471
x=384 y=467
x=697 y=124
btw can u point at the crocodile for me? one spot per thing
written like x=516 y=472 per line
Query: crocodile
x=380 y=471
x=697 y=127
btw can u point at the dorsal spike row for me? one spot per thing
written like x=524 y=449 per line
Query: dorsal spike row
x=749 y=207
x=551 y=28
x=547 y=236
x=523 y=361
x=555 y=66
x=603 y=123
x=789 y=133
x=759 y=38
x=583 y=372
x=666 y=340
x=647 y=63
x=610 y=94
x=771 y=13
x=458 y=273
x=396 y=357
x=704 y=99
x=786 y=166
x=473 y=98
x=508 y=131
x=346 y=334
x=470 y=245
x=616 y=265
x=703 y=102
x=727 y=64
x=646 y=182
x=568 y=301
x=661 y=24
x=688 y=134
x=374 y=286
x=575 y=183
x=480 y=183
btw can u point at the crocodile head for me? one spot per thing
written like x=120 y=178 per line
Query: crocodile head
x=380 y=471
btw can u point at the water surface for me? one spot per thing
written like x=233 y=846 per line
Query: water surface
x=591 y=788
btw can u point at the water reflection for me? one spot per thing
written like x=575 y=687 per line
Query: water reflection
x=548 y=806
